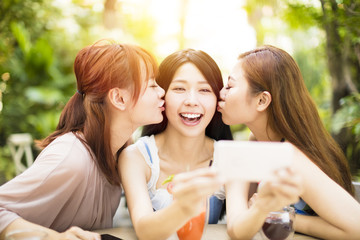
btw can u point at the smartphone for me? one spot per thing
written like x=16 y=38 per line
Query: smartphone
x=109 y=237
x=251 y=161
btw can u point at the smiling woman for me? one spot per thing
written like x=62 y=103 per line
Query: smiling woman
x=182 y=142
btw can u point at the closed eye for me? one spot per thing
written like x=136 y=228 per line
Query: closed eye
x=178 y=89
x=205 y=90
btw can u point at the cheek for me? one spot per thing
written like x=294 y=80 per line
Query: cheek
x=171 y=105
x=210 y=104
x=230 y=97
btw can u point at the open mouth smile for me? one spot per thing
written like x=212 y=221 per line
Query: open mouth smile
x=191 y=118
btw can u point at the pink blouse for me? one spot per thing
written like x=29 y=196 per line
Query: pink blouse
x=63 y=188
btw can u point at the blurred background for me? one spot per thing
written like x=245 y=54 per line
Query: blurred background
x=39 y=40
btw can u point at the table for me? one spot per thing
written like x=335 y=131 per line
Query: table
x=212 y=232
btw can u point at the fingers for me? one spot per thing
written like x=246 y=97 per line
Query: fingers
x=197 y=186
x=76 y=233
x=288 y=185
x=191 y=189
x=252 y=200
x=198 y=182
x=188 y=176
x=284 y=188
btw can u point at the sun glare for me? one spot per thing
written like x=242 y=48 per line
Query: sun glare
x=219 y=28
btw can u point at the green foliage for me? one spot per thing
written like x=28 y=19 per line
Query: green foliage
x=36 y=78
x=301 y=16
x=39 y=40
x=7 y=166
x=35 y=85
x=348 y=116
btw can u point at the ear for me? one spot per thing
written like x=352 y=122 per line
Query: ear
x=263 y=101
x=119 y=98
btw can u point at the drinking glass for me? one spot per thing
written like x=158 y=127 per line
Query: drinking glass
x=279 y=225
x=28 y=234
x=195 y=227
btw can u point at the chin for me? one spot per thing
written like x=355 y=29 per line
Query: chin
x=227 y=120
x=159 y=120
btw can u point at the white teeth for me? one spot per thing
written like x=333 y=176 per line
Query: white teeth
x=191 y=115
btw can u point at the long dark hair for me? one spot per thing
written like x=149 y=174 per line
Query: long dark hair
x=216 y=129
x=292 y=112
x=98 y=68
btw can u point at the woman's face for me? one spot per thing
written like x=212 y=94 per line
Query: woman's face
x=190 y=101
x=237 y=105
x=150 y=104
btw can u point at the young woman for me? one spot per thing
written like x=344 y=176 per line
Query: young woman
x=266 y=92
x=183 y=142
x=74 y=181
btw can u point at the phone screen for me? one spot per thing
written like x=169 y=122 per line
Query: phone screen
x=109 y=237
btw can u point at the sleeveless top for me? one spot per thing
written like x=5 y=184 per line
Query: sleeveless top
x=160 y=198
x=302 y=208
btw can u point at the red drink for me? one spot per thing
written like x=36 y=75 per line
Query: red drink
x=277 y=230
x=279 y=225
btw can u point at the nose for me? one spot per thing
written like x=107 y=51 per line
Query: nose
x=223 y=92
x=191 y=99
x=161 y=92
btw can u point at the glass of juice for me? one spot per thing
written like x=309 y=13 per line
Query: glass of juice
x=195 y=227
x=26 y=234
x=279 y=225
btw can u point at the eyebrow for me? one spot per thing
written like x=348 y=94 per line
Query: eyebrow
x=185 y=81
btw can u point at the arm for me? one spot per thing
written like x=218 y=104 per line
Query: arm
x=243 y=221
x=190 y=191
x=338 y=212
x=72 y=233
x=238 y=212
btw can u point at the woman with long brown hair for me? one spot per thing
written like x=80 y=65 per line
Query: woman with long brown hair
x=267 y=93
x=74 y=181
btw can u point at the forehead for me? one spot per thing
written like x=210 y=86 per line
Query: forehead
x=188 y=72
x=236 y=72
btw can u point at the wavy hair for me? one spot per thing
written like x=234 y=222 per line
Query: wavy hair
x=292 y=112
x=99 y=68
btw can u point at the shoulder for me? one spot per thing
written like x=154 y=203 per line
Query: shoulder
x=132 y=164
x=67 y=152
x=132 y=154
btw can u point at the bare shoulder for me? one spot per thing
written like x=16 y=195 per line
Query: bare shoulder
x=131 y=160
x=129 y=152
